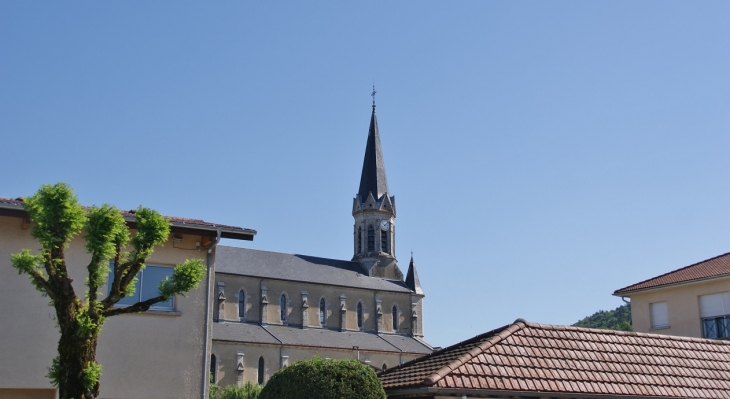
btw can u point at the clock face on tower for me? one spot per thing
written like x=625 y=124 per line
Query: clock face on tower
x=384 y=225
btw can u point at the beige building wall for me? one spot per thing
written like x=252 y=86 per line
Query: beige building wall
x=232 y=284
x=139 y=353
x=277 y=356
x=683 y=306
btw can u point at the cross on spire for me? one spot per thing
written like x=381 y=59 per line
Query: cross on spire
x=373 y=94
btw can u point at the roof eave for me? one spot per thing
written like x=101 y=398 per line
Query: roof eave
x=490 y=393
x=669 y=285
x=17 y=210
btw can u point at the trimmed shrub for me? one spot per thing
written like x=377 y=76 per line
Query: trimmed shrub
x=324 y=379
x=248 y=391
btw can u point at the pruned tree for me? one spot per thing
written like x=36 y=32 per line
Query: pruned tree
x=115 y=253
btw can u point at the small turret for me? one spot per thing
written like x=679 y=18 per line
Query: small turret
x=412 y=278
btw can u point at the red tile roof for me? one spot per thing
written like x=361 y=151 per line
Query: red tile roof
x=232 y=231
x=718 y=266
x=530 y=359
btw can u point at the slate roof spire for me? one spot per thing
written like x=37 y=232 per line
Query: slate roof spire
x=373 y=177
x=412 y=278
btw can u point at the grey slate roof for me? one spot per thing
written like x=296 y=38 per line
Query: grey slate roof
x=310 y=269
x=373 y=177
x=242 y=332
x=316 y=337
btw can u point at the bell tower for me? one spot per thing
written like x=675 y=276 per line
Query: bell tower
x=374 y=212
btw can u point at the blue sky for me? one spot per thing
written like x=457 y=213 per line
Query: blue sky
x=542 y=154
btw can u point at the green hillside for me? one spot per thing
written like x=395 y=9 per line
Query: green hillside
x=617 y=319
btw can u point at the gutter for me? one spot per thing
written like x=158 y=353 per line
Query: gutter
x=207 y=340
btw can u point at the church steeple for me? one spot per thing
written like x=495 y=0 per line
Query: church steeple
x=373 y=179
x=374 y=211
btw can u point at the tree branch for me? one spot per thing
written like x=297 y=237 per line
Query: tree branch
x=41 y=282
x=136 y=308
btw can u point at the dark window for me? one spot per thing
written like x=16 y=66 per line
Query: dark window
x=146 y=287
x=261 y=370
x=385 y=366
x=716 y=327
x=282 y=306
x=359 y=315
x=321 y=311
x=371 y=239
x=213 y=369
x=395 y=318
x=384 y=241
x=241 y=304
x=359 y=240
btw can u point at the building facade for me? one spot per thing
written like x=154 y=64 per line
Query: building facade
x=692 y=301
x=161 y=353
x=276 y=308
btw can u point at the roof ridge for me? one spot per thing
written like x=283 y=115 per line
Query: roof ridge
x=510 y=329
x=670 y=272
x=626 y=333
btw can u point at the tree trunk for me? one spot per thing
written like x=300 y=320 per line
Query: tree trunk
x=75 y=353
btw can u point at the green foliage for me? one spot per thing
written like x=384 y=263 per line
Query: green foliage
x=26 y=263
x=91 y=375
x=324 y=379
x=152 y=230
x=105 y=231
x=54 y=372
x=56 y=215
x=248 y=391
x=617 y=319
x=187 y=276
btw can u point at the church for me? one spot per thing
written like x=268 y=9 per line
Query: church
x=274 y=308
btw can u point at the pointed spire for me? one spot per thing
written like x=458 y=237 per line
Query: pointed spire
x=373 y=177
x=412 y=278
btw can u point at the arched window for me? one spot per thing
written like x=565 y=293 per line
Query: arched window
x=241 y=304
x=395 y=318
x=371 y=238
x=213 y=369
x=359 y=315
x=359 y=240
x=384 y=241
x=322 y=310
x=261 y=370
x=282 y=306
x=385 y=366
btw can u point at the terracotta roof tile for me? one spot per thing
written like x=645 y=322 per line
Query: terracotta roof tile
x=573 y=361
x=718 y=266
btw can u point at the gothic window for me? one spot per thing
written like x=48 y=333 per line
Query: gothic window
x=359 y=240
x=394 y=312
x=322 y=311
x=282 y=306
x=261 y=370
x=385 y=366
x=213 y=369
x=241 y=304
x=384 y=241
x=371 y=239
x=359 y=315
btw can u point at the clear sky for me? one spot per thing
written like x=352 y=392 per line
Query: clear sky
x=542 y=154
